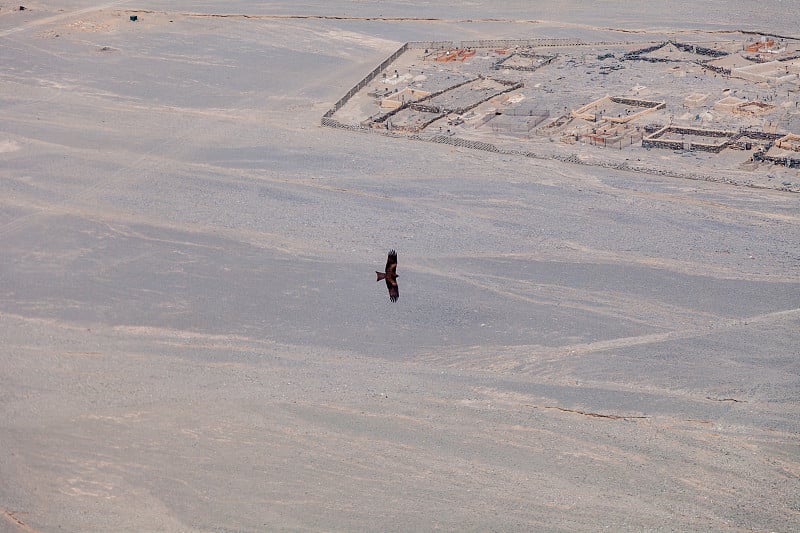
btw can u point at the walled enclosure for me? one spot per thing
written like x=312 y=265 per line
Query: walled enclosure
x=454 y=103
x=397 y=99
x=661 y=139
x=457 y=99
x=646 y=105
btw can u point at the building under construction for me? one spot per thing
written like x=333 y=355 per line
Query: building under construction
x=701 y=98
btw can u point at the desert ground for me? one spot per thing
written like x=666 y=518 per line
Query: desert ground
x=192 y=338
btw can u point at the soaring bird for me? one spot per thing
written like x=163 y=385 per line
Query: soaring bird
x=390 y=276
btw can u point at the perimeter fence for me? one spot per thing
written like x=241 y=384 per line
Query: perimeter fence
x=364 y=82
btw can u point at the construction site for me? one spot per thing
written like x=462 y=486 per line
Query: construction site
x=726 y=104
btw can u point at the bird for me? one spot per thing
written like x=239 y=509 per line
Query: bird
x=390 y=276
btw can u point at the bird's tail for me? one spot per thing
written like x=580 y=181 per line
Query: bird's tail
x=381 y=275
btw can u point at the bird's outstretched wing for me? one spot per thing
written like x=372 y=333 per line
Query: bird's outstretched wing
x=394 y=290
x=391 y=264
x=391 y=276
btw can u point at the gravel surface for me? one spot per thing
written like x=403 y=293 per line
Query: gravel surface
x=191 y=337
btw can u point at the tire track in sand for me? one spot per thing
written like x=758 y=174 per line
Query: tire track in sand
x=61 y=16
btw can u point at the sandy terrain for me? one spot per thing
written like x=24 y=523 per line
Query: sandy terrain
x=191 y=337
